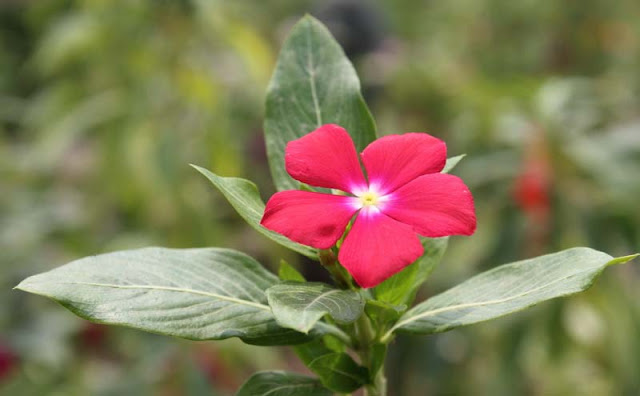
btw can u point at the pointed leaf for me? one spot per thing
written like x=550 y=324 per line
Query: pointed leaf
x=452 y=163
x=401 y=288
x=287 y=272
x=313 y=84
x=281 y=383
x=243 y=195
x=199 y=294
x=300 y=306
x=506 y=289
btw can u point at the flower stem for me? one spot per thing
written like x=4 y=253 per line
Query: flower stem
x=329 y=261
x=363 y=337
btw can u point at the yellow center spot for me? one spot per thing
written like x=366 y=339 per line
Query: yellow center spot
x=369 y=199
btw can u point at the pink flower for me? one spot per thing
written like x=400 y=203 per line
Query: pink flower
x=405 y=195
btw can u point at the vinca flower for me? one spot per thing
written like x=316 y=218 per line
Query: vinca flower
x=403 y=195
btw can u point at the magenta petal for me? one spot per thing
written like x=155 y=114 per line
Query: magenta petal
x=310 y=218
x=394 y=160
x=327 y=158
x=377 y=247
x=435 y=205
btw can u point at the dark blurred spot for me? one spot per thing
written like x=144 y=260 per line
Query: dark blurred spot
x=313 y=271
x=93 y=336
x=216 y=370
x=358 y=25
x=8 y=361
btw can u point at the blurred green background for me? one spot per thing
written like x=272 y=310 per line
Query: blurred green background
x=103 y=104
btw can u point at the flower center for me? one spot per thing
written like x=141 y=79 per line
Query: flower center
x=369 y=199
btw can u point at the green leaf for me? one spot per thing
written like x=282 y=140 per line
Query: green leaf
x=282 y=383
x=287 y=272
x=506 y=289
x=383 y=315
x=300 y=306
x=198 y=294
x=313 y=349
x=313 y=84
x=401 y=288
x=243 y=195
x=334 y=343
x=339 y=372
x=452 y=163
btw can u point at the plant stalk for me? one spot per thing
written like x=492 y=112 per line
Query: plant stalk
x=364 y=344
x=379 y=385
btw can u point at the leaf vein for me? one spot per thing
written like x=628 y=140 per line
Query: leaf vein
x=175 y=289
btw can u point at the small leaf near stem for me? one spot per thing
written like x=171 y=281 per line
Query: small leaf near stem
x=281 y=383
x=336 y=369
x=287 y=272
x=301 y=305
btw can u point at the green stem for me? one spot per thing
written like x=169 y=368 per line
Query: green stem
x=379 y=386
x=329 y=261
x=364 y=343
x=362 y=335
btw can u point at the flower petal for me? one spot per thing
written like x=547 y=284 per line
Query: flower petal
x=434 y=205
x=377 y=247
x=394 y=160
x=310 y=218
x=327 y=158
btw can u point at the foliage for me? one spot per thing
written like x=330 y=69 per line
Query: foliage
x=84 y=171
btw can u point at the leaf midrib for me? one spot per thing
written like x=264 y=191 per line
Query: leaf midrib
x=174 y=289
x=312 y=83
